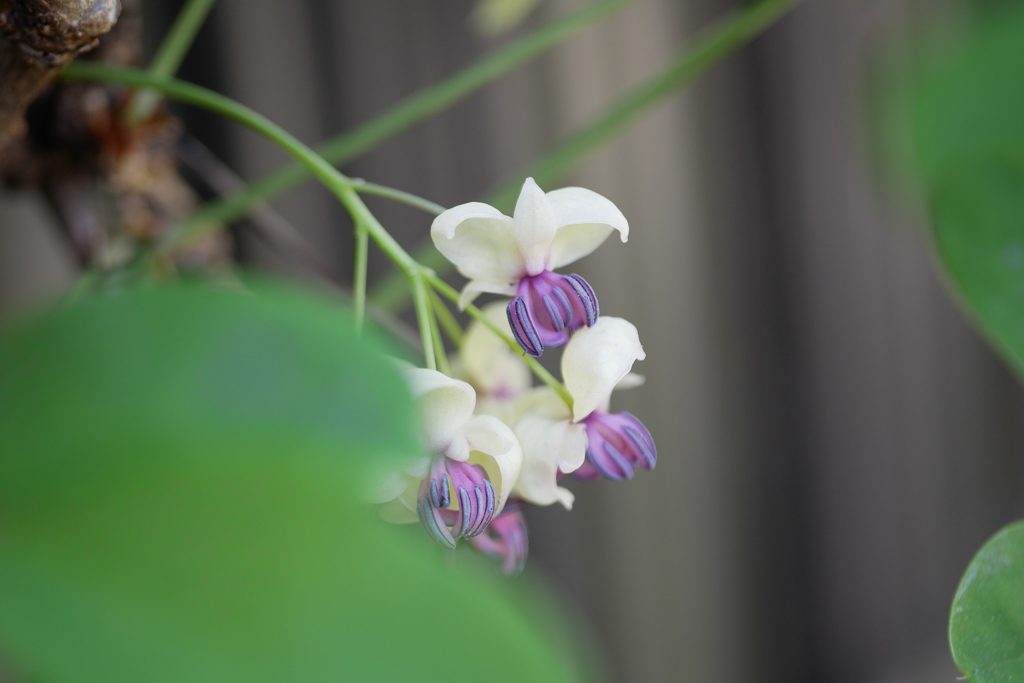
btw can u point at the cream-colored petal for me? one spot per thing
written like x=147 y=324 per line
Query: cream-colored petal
x=548 y=445
x=584 y=219
x=419 y=467
x=630 y=381
x=475 y=288
x=544 y=401
x=479 y=240
x=595 y=359
x=402 y=510
x=387 y=487
x=445 y=405
x=534 y=227
x=494 y=446
x=490 y=365
x=394 y=512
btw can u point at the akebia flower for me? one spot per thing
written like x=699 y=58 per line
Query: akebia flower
x=587 y=441
x=597 y=361
x=518 y=256
x=473 y=462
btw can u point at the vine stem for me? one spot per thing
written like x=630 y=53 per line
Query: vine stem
x=362 y=249
x=169 y=57
x=405 y=114
x=423 y=315
x=719 y=41
x=449 y=292
x=341 y=185
x=451 y=326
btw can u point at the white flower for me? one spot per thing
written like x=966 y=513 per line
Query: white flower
x=587 y=441
x=518 y=255
x=473 y=464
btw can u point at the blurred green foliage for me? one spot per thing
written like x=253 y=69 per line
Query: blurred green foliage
x=968 y=123
x=986 y=627
x=967 y=126
x=181 y=499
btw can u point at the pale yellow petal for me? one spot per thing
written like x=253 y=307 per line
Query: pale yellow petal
x=479 y=240
x=585 y=219
x=534 y=226
x=596 y=359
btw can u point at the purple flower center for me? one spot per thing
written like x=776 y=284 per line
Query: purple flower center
x=548 y=307
x=616 y=445
x=506 y=539
x=452 y=483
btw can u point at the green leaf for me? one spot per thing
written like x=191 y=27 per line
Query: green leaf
x=968 y=119
x=986 y=627
x=182 y=474
x=979 y=228
x=971 y=107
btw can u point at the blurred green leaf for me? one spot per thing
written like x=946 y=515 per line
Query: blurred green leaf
x=181 y=473
x=971 y=107
x=968 y=123
x=986 y=627
x=978 y=217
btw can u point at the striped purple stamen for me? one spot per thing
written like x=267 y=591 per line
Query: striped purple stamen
x=554 y=313
x=452 y=481
x=523 y=329
x=586 y=295
x=617 y=444
x=431 y=519
x=548 y=307
x=563 y=299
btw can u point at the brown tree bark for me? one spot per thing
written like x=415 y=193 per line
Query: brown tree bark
x=38 y=38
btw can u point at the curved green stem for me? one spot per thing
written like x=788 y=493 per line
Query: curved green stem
x=362 y=248
x=402 y=197
x=169 y=56
x=447 y=291
x=721 y=40
x=716 y=43
x=451 y=326
x=405 y=114
x=339 y=184
x=423 y=314
x=435 y=335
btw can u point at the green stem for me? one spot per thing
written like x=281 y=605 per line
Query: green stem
x=363 y=187
x=725 y=37
x=339 y=184
x=435 y=335
x=446 y=319
x=405 y=114
x=716 y=43
x=539 y=370
x=423 y=313
x=169 y=57
x=362 y=248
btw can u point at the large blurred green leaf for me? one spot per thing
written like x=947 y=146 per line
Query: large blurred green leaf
x=986 y=627
x=969 y=138
x=971 y=107
x=181 y=473
x=978 y=217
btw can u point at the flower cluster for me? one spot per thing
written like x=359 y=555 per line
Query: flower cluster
x=495 y=442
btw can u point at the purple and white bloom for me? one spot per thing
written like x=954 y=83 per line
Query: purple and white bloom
x=587 y=441
x=473 y=462
x=518 y=255
x=506 y=539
